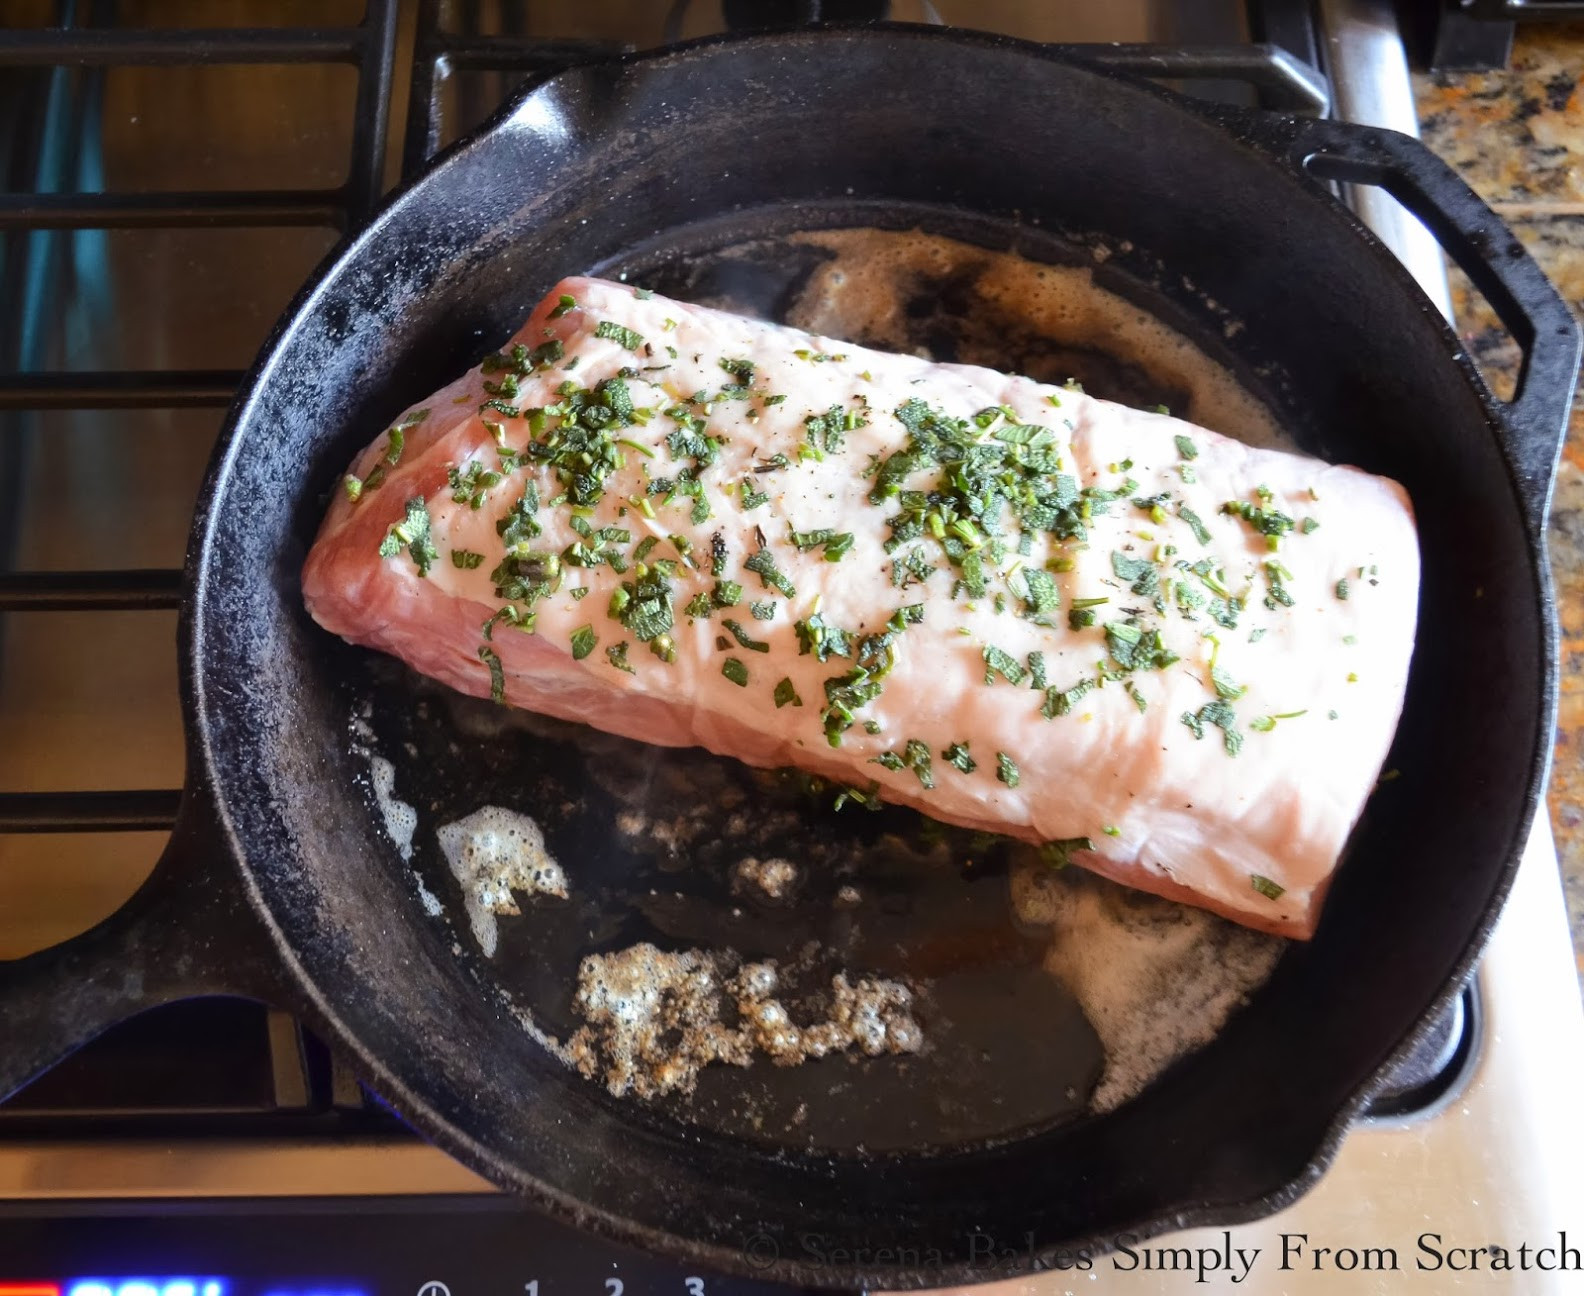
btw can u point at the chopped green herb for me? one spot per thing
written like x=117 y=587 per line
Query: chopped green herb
x=1138 y=697
x=1140 y=573
x=617 y=333
x=353 y=487
x=751 y=498
x=915 y=756
x=643 y=605
x=1036 y=666
x=488 y=656
x=564 y=303
x=1220 y=714
x=616 y=654
x=735 y=671
x=1007 y=770
x=471 y=486
x=1058 y=854
x=1225 y=686
x=1309 y=526
x=957 y=755
x=1195 y=523
x=1003 y=663
x=1277 y=594
x=1268 y=522
x=645 y=547
x=727 y=593
x=1060 y=702
x=466 y=559
x=1343 y=589
x=835 y=543
x=818 y=636
x=1082 y=615
x=763 y=610
x=763 y=565
x=1111 y=830
x=1042 y=595
x=1186 y=448
x=1135 y=649
x=1270 y=890
x=743 y=638
x=584 y=641
x=786 y=693
x=511 y=615
x=412 y=533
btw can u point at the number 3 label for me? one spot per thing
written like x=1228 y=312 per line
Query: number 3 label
x=695 y=1286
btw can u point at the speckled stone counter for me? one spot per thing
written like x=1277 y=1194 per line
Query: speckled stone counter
x=1518 y=139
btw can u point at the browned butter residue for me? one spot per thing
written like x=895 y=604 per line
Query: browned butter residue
x=1003 y=311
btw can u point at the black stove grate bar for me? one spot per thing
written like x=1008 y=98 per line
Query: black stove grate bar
x=172 y=210
x=105 y=46
x=370 y=47
x=437 y=53
x=116 y=389
x=52 y=812
x=126 y=590
x=1285 y=80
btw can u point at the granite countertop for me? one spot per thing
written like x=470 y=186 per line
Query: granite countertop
x=1518 y=139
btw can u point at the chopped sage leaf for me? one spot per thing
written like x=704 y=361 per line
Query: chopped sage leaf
x=489 y=657
x=743 y=638
x=1270 y=890
x=957 y=755
x=614 y=332
x=1007 y=770
x=1058 y=854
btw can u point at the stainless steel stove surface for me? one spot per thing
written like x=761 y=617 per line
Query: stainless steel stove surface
x=168 y=184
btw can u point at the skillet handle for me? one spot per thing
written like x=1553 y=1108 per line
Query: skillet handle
x=1535 y=420
x=187 y=931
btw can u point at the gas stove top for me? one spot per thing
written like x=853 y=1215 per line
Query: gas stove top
x=167 y=189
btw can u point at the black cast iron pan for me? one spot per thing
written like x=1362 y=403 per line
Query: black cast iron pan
x=278 y=884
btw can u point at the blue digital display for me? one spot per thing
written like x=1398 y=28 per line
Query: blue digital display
x=183 y=1286
x=148 y=1287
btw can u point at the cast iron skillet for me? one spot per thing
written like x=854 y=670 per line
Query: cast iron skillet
x=277 y=885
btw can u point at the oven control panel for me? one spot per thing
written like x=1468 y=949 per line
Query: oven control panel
x=336 y=1248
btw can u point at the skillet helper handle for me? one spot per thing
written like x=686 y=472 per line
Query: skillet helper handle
x=188 y=931
x=1536 y=419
